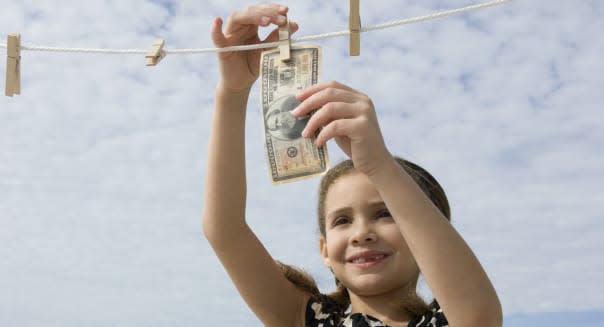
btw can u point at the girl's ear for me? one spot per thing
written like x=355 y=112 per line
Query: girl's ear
x=323 y=248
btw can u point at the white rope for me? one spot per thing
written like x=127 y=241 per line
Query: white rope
x=273 y=44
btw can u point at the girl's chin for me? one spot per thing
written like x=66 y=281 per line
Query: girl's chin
x=378 y=284
x=369 y=285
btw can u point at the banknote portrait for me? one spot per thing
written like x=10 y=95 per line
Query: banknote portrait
x=280 y=123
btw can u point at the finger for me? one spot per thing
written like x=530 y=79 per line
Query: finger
x=328 y=113
x=274 y=11
x=323 y=96
x=241 y=21
x=293 y=27
x=217 y=37
x=340 y=127
x=302 y=95
x=269 y=8
x=262 y=15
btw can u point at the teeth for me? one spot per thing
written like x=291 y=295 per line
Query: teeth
x=363 y=260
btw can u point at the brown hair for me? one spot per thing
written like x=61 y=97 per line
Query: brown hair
x=340 y=298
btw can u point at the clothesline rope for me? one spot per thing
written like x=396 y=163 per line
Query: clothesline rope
x=406 y=21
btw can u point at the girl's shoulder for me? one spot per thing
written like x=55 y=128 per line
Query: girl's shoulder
x=321 y=311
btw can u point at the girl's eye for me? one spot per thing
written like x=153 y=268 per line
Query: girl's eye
x=384 y=213
x=341 y=220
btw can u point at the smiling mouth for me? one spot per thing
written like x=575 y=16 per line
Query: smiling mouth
x=368 y=259
x=374 y=258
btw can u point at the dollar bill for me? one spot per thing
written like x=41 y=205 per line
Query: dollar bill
x=290 y=156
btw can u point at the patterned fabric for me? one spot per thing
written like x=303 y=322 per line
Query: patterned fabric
x=321 y=314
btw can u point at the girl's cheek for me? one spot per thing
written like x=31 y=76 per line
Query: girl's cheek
x=338 y=246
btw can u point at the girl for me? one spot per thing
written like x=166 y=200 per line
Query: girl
x=380 y=224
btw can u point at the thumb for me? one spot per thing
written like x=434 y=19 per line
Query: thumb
x=218 y=38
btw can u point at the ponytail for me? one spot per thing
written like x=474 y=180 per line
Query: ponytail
x=340 y=298
x=300 y=279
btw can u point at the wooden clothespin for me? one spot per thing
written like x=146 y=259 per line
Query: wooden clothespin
x=284 y=41
x=13 y=65
x=156 y=53
x=354 y=25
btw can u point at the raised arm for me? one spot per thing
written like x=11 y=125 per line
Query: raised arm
x=255 y=274
x=449 y=266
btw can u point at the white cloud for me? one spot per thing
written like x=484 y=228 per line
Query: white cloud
x=102 y=159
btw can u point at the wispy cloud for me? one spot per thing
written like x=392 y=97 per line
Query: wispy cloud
x=102 y=160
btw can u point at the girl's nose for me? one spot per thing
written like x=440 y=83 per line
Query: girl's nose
x=363 y=234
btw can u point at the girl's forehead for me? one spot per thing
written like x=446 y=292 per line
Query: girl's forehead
x=350 y=190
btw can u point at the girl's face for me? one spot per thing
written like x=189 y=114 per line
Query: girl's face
x=363 y=245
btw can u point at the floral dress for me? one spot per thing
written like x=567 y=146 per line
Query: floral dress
x=322 y=314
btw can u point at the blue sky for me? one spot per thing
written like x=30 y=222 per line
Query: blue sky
x=102 y=159
x=584 y=318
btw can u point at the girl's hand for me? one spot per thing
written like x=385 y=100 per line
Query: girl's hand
x=349 y=117
x=239 y=69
